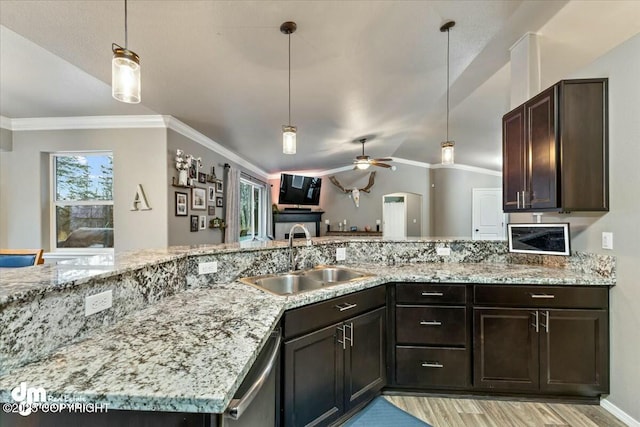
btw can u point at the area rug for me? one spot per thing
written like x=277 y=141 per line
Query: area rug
x=381 y=413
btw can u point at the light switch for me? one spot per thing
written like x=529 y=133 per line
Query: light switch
x=341 y=254
x=607 y=240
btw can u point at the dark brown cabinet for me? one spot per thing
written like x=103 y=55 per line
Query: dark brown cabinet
x=555 y=150
x=432 y=337
x=546 y=345
x=338 y=368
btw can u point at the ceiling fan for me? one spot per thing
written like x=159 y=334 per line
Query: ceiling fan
x=363 y=162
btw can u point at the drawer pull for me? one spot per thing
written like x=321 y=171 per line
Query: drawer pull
x=344 y=336
x=431 y=323
x=432 y=365
x=346 y=306
x=542 y=296
x=432 y=294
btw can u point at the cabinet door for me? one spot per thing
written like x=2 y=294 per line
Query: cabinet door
x=505 y=349
x=365 y=357
x=574 y=357
x=514 y=158
x=313 y=379
x=541 y=141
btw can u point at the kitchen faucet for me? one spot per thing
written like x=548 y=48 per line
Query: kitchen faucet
x=292 y=259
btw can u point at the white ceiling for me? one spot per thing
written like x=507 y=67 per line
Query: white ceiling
x=358 y=68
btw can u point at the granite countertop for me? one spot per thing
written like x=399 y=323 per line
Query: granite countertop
x=191 y=351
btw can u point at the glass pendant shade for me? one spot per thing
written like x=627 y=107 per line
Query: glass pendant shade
x=447 y=152
x=362 y=165
x=125 y=76
x=289 y=139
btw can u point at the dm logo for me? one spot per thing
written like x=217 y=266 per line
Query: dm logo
x=27 y=396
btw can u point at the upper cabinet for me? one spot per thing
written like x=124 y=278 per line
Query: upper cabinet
x=555 y=150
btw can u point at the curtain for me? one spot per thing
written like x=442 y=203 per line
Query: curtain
x=269 y=212
x=232 y=204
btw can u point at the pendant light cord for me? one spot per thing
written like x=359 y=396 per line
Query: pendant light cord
x=447 y=84
x=126 y=35
x=289 y=79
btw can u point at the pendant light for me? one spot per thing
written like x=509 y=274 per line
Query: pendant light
x=447 y=146
x=288 y=131
x=125 y=70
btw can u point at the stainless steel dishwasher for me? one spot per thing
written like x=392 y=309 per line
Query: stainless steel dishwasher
x=257 y=401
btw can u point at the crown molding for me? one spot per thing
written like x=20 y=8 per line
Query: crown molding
x=396 y=160
x=189 y=132
x=5 y=123
x=468 y=169
x=127 y=122
x=87 y=122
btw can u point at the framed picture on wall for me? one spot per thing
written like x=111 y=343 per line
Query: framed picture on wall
x=181 y=204
x=202 y=177
x=219 y=201
x=211 y=210
x=194 y=223
x=219 y=188
x=198 y=199
x=212 y=194
x=203 y=222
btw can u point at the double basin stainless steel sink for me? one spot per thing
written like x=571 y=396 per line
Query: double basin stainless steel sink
x=304 y=280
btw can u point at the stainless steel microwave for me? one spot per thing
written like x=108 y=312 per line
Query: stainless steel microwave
x=546 y=239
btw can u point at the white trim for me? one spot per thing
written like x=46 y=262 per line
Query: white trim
x=619 y=413
x=124 y=122
x=187 y=131
x=88 y=122
x=412 y=163
x=525 y=35
x=5 y=123
x=468 y=169
x=311 y=172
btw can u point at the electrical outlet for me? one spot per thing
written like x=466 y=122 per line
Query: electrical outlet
x=443 y=251
x=98 y=302
x=607 y=240
x=341 y=254
x=208 y=267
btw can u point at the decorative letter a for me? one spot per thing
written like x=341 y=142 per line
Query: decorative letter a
x=140 y=198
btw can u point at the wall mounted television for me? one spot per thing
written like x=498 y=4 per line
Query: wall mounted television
x=299 y=190
x=545 y=239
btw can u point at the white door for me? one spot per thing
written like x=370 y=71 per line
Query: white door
x=393 y=220
x=488 y=219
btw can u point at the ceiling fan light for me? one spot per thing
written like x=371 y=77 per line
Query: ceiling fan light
x=289 y=139
x=448 y=152
x=362 y=165
x=125 y=76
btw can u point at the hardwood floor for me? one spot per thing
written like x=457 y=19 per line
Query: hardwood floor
x=450 y=412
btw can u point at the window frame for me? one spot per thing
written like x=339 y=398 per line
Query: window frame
x=54 y=203
x=262 y=210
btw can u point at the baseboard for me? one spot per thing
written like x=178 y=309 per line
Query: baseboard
x=619 y=413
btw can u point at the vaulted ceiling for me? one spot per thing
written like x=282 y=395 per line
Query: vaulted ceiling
x=358 y=68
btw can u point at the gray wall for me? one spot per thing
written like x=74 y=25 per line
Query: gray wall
x=339 y=206
x=179 y=226
x=451 y=199
x=622 y=67
x=139 y=158
x=6 y=139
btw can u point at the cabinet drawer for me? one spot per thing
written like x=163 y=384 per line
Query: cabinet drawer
x=425 y=367
x=431 y=325
x=429 y=293
x=541 y=296
x=316 y=316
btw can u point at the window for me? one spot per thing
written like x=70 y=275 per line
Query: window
x=82 y=201
x=252 y=210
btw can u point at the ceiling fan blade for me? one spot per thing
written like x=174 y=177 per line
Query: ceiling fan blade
x=382 y=165
x=386 y=159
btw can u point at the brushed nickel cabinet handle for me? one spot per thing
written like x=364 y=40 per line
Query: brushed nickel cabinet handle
x=346 y=306
x=542 y=296
x=344 y=341
x=545 y=325
x=537 y=324
x=432 y=365
x=518 y=202
x=432 y=294
x=431 y=323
